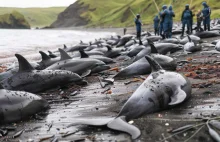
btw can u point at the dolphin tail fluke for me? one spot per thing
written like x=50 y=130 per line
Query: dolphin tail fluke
x=91 y=122
x=155 y=66
x=121 y=124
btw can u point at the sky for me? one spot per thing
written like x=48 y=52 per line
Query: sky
x=35 y=3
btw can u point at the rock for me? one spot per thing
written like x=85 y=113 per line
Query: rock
x=14 y=20
x=71 y=16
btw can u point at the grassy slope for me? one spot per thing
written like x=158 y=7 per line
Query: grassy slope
x=18 y=16
x=116 y=13
x=37 y=17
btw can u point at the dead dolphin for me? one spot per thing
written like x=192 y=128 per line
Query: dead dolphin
x=136 y=49
x=124 y=39
x=207 y=34
x=101 y=58
x=31 y=80
x=164 y=48
x=77 y=47
x=217 y=46
x=82 y=66
x=142 y=53
x=142 y=67
x=191 y=46
x=194 y=38
x=161 y=90
x=112 y=52
x=47 y=60
x=14 y=69
x=18 y=105
x=52 y=55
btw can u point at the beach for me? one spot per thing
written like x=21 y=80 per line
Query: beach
x=93 y=101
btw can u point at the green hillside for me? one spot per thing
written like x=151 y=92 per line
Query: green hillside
x=117 y=13
x=37 y=17
x=14 y=20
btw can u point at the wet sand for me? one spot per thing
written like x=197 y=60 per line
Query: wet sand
x=92 y=101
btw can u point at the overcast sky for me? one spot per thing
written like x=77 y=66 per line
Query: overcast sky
x=35 y=3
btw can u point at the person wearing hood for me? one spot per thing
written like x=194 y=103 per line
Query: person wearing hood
x=186 y=17
x=161 y=31
x=172 y=14
x=206 y=16
x=166 y=21
x=138 y=25
x=156 y=25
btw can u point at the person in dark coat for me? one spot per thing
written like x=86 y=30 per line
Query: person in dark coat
x=161 y=31
x=166 y=21
x=156 y=25
x=206 y=16
x=186 y=17
x=138 y=25
x=172 y=14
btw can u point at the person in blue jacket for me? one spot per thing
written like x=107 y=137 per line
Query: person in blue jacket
x=166 y=21
x=172 y=14
x=206 y=16
x=186 y=17
x=138 y=25
x=161 y=31
x=156 y=25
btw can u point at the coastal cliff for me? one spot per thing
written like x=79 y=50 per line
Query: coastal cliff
x=14 y=20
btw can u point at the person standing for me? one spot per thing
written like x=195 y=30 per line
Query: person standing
x=191 y=23
x=161 y=31
x=186 y=17
x=172 y=14
x=156 y=25
x=199 y=18
x=166 y=21
x=138 y=25
x=206 y=16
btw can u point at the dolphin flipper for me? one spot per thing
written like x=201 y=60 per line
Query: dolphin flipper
x=91 y=122
x=86 y=73
x=178 y=98
x=120 y=124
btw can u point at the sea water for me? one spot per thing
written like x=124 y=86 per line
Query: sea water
x=30 y=42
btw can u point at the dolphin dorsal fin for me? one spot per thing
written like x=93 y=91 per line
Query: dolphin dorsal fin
x=154 y=64
x=50 y=52
x=83 y=54
x=150 y=41
x=134 y=41
x=153 y=48
x=24 y=65
x=149 y=34
x=140 y=42
x=190 y=40
x=64 y=46
x=109 y=48
x=44 y=56
x=64 y=55
x=1 y=87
